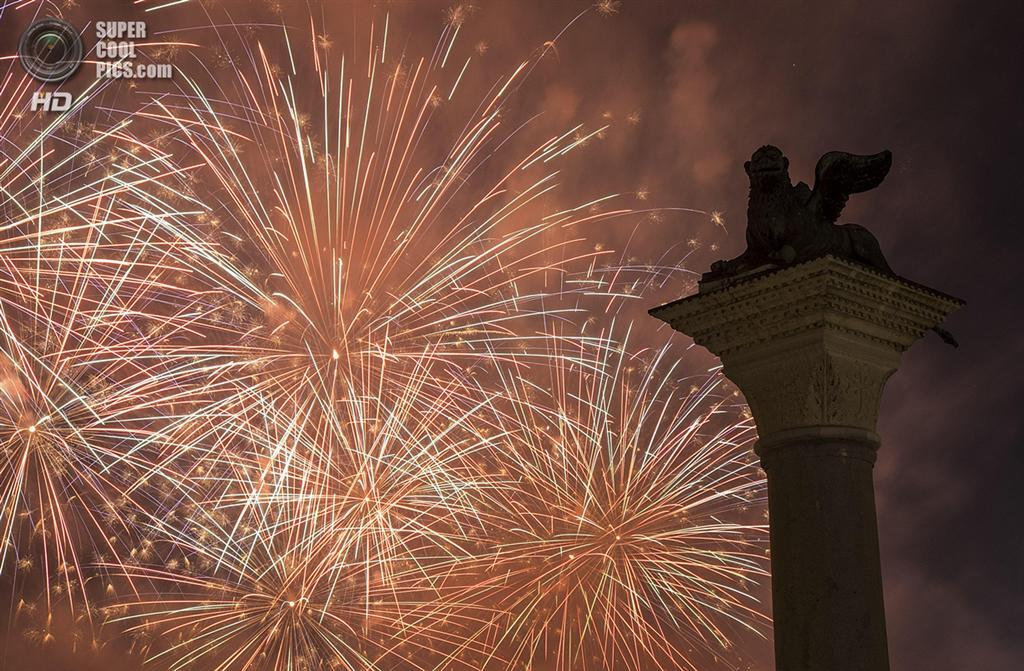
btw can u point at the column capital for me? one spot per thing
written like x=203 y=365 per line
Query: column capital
x=811 y=345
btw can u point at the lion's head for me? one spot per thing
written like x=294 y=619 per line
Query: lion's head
x=768 y=161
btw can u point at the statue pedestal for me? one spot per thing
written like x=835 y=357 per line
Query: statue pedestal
x=811 y=347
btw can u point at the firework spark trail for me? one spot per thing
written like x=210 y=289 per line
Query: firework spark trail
x=87 y=300
x=316 y=549
x=579 y=520
x=380 y=472
x=238 y=592
x=340 y=236
x=614 y=523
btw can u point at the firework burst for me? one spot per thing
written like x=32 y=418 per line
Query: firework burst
x=622 y=524
x=316 y=548
x=344 y=230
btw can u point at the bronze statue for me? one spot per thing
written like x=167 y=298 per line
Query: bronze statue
x=789 y=224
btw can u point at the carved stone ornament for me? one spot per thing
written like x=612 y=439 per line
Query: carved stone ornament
x=810 y=345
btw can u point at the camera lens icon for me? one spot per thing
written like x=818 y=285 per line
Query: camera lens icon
x=50 y=50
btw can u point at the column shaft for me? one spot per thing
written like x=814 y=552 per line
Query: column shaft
x=826 y=576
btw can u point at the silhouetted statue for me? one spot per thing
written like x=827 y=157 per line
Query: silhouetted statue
x=788 y=224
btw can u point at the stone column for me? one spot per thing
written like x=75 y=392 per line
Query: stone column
x=811 y=347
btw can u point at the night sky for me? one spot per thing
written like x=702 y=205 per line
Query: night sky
x=939 y=83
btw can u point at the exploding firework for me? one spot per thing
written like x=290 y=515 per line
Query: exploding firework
x=282 y=380
x=247 y=591
x=365 y=222
x=581 y=519
x=622 y=523
x=319 y=548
